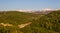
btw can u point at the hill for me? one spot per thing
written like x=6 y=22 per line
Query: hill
x=11 y=22
x=49 y=23
x=15 y=18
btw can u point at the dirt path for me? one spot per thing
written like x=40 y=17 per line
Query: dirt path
x=6 y=24
x=20 y=26
x=24 y=25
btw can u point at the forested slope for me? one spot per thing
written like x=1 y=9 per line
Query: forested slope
x=49 y=23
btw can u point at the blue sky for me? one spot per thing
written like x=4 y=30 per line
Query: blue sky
x=29 y=4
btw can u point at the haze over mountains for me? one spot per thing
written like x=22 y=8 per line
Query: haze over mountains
x=47 y=10
x=44 y=11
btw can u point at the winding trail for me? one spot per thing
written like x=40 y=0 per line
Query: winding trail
x=6 y=24
x=20 y=26
x=24 y=25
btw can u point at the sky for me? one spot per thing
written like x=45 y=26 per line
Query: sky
x=29 y=4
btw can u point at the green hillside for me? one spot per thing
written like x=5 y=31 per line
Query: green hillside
x=48 y=23
x=16 y=17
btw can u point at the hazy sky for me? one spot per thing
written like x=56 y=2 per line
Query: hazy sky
x=29 y=4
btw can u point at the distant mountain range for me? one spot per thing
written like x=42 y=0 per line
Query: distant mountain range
x=43 y=11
